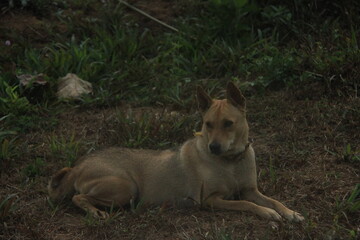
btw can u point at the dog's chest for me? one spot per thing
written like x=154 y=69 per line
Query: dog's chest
x=220 y=178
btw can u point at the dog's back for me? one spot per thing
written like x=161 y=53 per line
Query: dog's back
x=158 y=175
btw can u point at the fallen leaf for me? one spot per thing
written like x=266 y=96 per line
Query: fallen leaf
x=72 y=87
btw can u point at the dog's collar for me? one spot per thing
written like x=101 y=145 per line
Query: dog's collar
x=237 y=156
x=230 y=157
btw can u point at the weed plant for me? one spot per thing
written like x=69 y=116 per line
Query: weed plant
x=65 y=148
x=257 y=45
x=230 y=39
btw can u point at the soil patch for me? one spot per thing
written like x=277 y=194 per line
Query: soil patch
x=302 y=141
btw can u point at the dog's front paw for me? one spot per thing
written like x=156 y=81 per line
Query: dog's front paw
x=294 y=216
x=270 y=214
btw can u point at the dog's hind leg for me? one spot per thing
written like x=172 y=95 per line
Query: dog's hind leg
x=255 y=196
x=108 y=192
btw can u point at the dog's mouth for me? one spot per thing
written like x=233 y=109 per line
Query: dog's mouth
x=219 y=149
x=215 y=148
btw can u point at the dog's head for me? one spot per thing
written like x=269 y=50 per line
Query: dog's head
x=225 y=129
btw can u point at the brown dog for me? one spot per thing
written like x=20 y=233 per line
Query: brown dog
x=210 y=169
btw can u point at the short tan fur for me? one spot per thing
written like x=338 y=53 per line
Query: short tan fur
x=210 y=169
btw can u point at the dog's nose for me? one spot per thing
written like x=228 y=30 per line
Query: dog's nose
x=215 y=148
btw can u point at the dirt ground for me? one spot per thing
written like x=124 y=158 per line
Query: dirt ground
x=299 y=139
x=304 y=138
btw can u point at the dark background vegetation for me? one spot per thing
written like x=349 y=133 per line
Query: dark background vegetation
x=297 y=62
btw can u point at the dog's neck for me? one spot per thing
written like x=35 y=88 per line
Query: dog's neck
x=238 y=155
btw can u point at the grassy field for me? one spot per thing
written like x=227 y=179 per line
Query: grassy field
x=297 y=62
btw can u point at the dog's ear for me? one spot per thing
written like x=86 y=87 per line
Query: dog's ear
x=234 y=96
x=203 y=99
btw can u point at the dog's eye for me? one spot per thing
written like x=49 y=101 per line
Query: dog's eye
x=228 y=123
x=209 y=125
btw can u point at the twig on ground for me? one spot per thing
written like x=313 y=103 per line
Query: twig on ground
x=147 y=15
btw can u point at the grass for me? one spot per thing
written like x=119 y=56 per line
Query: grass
x=124 y=57
x=216 y=231
x=53 y=207
x=34 y=169
x=64 y=148
x=7 y=146
x=350 y=202
x=272 y=170
x=351 y=155
x=347 y=206
x=7 y=205
x=145 y=129
x=300 y=79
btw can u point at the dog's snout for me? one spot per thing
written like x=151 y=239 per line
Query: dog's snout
x=215 y=148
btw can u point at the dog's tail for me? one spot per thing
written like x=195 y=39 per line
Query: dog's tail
x=61 y=185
